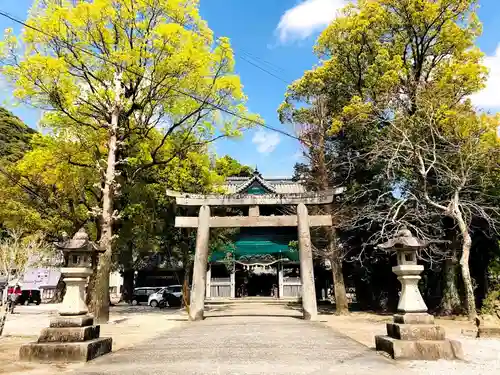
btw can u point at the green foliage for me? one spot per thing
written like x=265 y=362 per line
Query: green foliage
x=393 y=84
x=228 y=167
x=156 y=68
x=158 y=48
x=491 y=303
x=391 y=67
x=14 y=137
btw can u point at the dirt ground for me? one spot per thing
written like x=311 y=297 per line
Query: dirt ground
x=482 y=356
x=363 y=326
x=131 y=326
x=126 y=331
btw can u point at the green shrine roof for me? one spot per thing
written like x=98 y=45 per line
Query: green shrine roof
x=258 y=185
x=264 y=245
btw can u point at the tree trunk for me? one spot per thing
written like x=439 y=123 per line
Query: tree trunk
x=60 y=292
x=3 y=317
x=334 y=254
x=90 y=295
x=470 y=301
x=128 y=272
x=101 y=299
x=5 y=296
x=451 y=298
x=128 y=284
x=341 y=302
x=185 y=286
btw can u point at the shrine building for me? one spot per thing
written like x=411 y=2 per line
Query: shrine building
x=260 y=261
x=269 y=256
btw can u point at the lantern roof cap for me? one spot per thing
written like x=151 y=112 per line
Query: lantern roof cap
x=403 y=240
x=80 y=241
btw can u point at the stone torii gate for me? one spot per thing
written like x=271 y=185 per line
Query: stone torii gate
x=205 y=221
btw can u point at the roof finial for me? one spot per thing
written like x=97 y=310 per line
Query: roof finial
x=256 y=171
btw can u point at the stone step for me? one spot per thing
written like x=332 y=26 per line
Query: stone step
x=65 y=352
x=252 y=300
x=414 y=318
x=415 y=331
x=490 y=332
x=72 y=334
x=430 y=350
x=71 y=321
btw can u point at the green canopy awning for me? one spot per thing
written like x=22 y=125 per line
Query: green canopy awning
x=255 y=247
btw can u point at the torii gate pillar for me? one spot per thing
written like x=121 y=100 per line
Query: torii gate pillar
x=197 y=305
x=309 y=306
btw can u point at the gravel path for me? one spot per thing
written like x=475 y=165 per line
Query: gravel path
x=252 y=339
x=246 y=345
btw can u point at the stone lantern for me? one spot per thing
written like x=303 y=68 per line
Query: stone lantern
x=77 y=268
x=72 y=336
x=413 y=334
x=407 y=270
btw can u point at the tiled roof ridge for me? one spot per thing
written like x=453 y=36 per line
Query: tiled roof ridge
x=256 y=177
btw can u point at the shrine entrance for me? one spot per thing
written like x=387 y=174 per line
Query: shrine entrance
x=301 y=220
x=256 y=281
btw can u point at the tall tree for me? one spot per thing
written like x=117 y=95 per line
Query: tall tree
x=443 y=159
x=402 y=59
x=115 y=71
x=311 y=106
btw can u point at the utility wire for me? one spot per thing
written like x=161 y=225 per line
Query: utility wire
x=248 y=58
x=276 y=68
x=194 y=97
x=263 y=69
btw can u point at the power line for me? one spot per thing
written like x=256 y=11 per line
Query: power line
x=247 y=59
x=273 y=66
x=263 y=69
x=194 y=97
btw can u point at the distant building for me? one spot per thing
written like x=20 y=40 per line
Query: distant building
x=43 y=279
x=46 y=279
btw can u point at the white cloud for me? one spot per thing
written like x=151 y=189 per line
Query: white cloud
x=306 y=18
x=489 y=97
x=266 y=141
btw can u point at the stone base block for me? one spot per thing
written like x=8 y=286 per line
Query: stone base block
x=71 y=334
x=65 y=352
x=419 y=350
x=415 y=331
x=488 y=332
x=72 y=321
x=414 y=318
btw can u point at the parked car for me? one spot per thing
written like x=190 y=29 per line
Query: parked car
x=29 y=296
x=156 y=298
x=142 y=294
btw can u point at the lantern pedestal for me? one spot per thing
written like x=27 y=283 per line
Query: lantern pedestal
x=419 y=349
x=72 y=336
x=413 y=334
x=68 y=339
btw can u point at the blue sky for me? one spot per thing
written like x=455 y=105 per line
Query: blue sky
x=278 y=35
